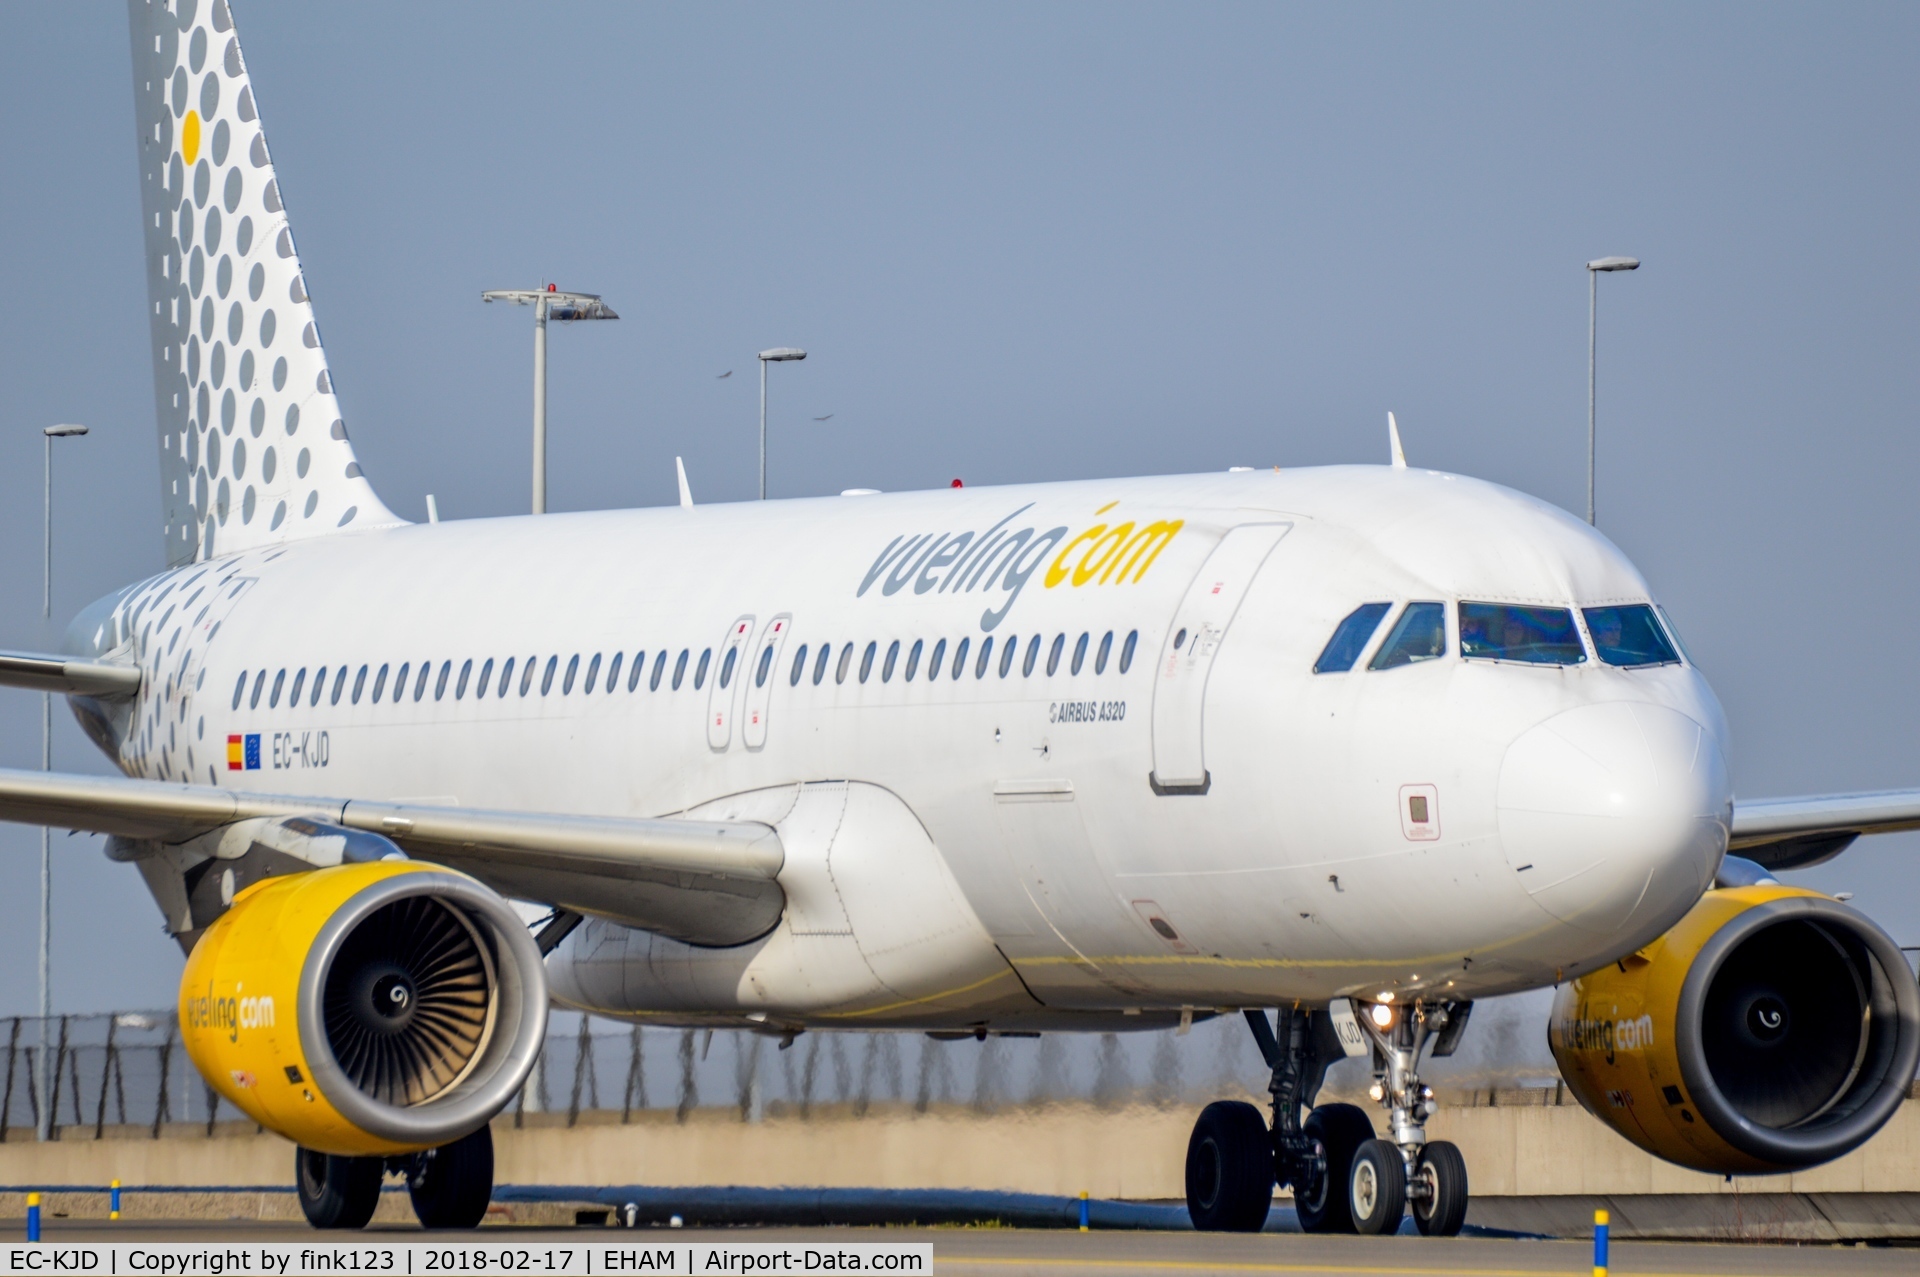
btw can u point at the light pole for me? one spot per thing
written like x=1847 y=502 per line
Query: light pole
x=778 y=355
x=45 y=1124
x=548 y=303
x=1593 y=296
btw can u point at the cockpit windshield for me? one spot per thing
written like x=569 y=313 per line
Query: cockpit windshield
x=1629 y=636
x=1419 y=635
x=1350 y=639
x=1504 y=632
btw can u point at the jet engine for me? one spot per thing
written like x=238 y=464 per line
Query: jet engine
x=371 y=1008
x=1771 y=1029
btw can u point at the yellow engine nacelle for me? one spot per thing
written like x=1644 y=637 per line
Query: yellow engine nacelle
x=1772 y=1029
x=382 y=1007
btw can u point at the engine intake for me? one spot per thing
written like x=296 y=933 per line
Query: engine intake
x=1772 y=1029
x=368 y=1008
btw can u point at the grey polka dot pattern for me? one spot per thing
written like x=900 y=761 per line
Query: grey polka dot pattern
x=221 y=261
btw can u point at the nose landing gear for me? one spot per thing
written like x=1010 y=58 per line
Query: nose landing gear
x=1344 y=1179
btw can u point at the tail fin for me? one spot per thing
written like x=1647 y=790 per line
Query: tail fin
x=253 y=450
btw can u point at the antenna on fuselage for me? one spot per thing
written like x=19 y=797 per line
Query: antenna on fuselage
x=686 y=493
x=1398 y=457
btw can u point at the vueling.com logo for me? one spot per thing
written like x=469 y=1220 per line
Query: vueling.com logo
x=1003 y=560
x=228 y=1015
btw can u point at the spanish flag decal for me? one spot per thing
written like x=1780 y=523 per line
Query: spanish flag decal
x=243 y=752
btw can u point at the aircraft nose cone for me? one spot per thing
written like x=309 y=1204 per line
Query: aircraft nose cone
x=1615 y=816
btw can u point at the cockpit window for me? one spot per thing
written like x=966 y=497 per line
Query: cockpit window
x=1629 y=636
x=1350 y=639
x=1537 y=635
x=1419 y=635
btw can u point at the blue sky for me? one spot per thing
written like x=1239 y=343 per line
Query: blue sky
x=1029 y=242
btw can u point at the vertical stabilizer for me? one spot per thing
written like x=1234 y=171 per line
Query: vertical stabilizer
x=253 y=449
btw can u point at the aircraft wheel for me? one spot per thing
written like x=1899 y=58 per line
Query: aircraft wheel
x=1323 y=1207
x=1442 y=1209
x=1229 y=1169
x=337 y=1192
x=451 y=1185
x=1377 y=1188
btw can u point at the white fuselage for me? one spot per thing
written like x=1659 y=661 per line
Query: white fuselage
x=1214 y=825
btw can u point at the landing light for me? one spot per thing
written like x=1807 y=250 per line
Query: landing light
x=1382 y=1014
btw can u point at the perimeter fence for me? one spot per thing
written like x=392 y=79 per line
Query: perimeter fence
x=129 y=1071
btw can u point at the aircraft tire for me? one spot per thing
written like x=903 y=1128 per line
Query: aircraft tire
x=1443 y=1210
x=452 y=1185
x=337 y=1192
x=1229 y=1169
x=1341 y=1130
x=1377 y=1188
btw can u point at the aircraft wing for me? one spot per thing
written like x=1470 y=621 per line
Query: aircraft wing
x=703 y=881
x=69 y=676
x=1793 y=833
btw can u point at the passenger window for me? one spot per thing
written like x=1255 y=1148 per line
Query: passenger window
x=273 y=698
x=820 y=663
x=359 y=681
x=985 y=658
x=1350 y=638
x=566 y=682
x=506 y=677
x=913 y=659
x=1079 y=653
x=700 y=670
x=399 y=684
x=260 y=682
x=299 y=681
x=1534 y=635
x=1100 y=657
x=960 y=658
x=239 y=689
x=1419 y=635
x=680 y=668
x=340 y=681
x=593 y=675
x=799 y=666
x=1126 y=650
x=526 y=674
x=1006 y=657
x=613 y=672
x=1033 y=654
x=893 y=655
x=1629 y=636
x=440 y=684
x=319 y=686
x=846 y=660
x=937 y=661
x=659 y=664
x=1053 y=653
x=726 y=667
x=766 y=663
x=420 y=683
x=466 y=672
x=379 y=685
x=866 y=660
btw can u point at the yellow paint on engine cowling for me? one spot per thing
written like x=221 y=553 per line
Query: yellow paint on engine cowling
x=1612 y=1033
x=239 y=999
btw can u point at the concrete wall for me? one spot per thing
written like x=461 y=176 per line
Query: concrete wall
x=1526 y=1148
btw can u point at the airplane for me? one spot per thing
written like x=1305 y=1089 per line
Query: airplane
x=1340 y=749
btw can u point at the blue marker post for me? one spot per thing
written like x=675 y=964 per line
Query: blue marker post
x=1083 y=1210
x=33 y=1217
x=113 y=1209
x=1599 y=1243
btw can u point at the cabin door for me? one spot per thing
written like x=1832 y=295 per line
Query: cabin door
x=1186 y=659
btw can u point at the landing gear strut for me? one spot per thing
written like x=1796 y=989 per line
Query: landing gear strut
x=1344 y=1179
